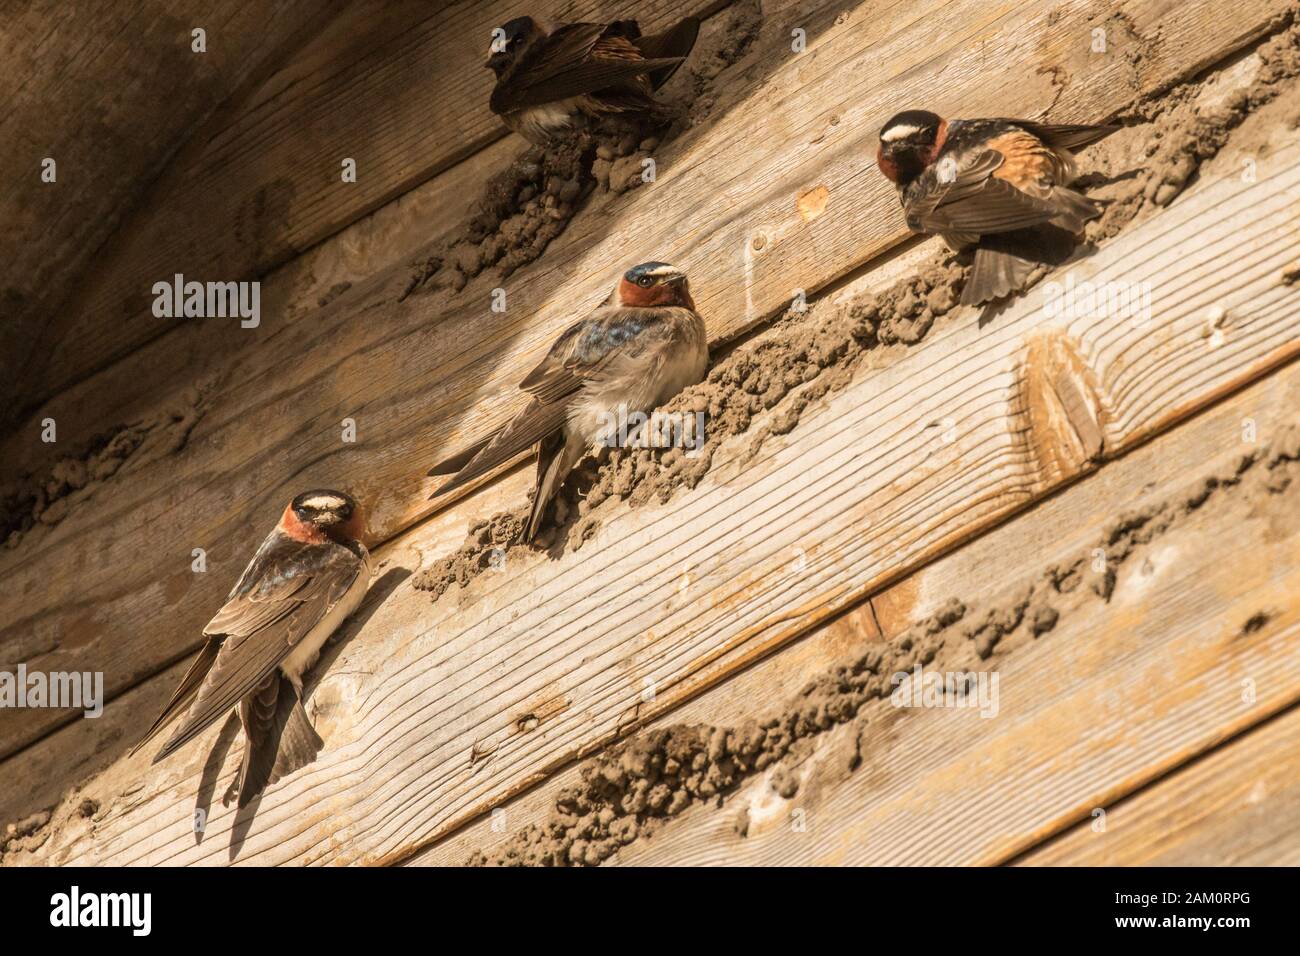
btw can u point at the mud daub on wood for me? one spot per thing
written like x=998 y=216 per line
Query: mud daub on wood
x=629 y=790
x=47 y=497
x=529 y=204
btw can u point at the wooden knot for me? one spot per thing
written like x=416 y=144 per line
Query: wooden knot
x=1061 y=402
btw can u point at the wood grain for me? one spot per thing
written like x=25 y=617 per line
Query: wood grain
x=763 y=685
x=1106 y=703
x=400 y=88
x=419 y=380
x=423 y=722
x=159 y=372
x=1238 y=805
x=990 y=571
x=110 y=92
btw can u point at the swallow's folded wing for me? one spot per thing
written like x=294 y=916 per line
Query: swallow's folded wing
x=551 y=383
x=674 y=43
x=579 y=351
x=286 y=590
x=576 y=59
x=1069 y=136
x=606 y=342
x=966 y=198
x=183 y=694
x=454 y=463
x=611 y=335
x=535 y=422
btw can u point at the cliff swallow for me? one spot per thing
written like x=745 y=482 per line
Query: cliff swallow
x=632 y=354
x=549 y=73
x=999 y=185
x=306 y=578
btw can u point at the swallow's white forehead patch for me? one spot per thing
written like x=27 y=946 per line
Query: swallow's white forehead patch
x=901 y=131
x=323 y=502
x=663 y=271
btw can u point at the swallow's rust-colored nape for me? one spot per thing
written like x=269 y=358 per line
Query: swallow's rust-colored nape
x=940 y=137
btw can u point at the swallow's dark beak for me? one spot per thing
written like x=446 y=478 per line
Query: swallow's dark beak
x=498 y=62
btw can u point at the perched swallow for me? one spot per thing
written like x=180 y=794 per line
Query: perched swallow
x=632 y=354
x=999 y=185
x=307 y=577
x=548 y=73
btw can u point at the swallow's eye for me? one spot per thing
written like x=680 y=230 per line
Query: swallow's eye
x=645 y=282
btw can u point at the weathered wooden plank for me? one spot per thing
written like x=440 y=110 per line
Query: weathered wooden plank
x=94 y=104
x=389 y=237
x=416 y=387
x=1118 y=694
x=159 y=372
x=400 y=88
x=765 y=684
x=1238 y=805
x=991 y=571
x=431 y=725
x=41 y=776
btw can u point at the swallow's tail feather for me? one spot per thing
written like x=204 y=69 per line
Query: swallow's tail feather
x=677 y=41
x=1005 y=263
x=555 y=459
x=996 y=274
x=279 y=738
x=632 y=101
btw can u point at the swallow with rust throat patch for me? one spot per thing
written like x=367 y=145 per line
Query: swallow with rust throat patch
x=550 y=73
x=629 y=356
x=309 y=574
x=1000 y=186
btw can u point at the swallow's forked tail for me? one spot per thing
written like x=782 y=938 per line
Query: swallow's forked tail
x=556 y=457
x=996 y=274
x=1005 y=262
x=278 y=736
x=532 y=425
x=454 y=463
